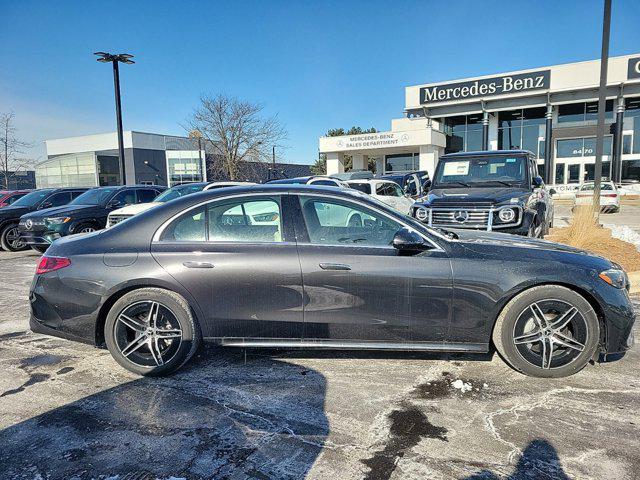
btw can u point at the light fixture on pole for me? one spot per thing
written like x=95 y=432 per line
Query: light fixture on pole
x=104 y=57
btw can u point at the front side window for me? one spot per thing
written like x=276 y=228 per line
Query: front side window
x=145 y=196
x=33 y=198
x=340 y=222
x=126 y=197
x=95 y=196
x=388 y=190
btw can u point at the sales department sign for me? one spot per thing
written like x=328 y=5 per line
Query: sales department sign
x=633 y=70
x=486 y=87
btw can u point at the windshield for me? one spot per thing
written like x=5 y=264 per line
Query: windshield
x=179 y=191
x=464 y=172
x=96 y=196
x=31 y=199
x=589 y=187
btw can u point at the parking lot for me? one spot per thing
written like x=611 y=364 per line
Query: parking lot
x=69 y=411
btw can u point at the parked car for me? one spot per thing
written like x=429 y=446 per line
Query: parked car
x=87 y=213
x=318 y=180
x=386 y=191
x=7 y=197
x=416 y=184
x=38 y=200
x=490 y=190
x=121 y=214
x=280 y=266
x=609 y=196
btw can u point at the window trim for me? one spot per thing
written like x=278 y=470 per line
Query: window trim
x=158 y=234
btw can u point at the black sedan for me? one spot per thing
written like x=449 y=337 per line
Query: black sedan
x=300 y=266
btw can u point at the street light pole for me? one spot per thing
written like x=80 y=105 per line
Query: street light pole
x=115 y=59
x=602 y=99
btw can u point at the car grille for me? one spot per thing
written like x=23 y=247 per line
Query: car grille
x=32 y=224
x=115 y=219
x=484 y=218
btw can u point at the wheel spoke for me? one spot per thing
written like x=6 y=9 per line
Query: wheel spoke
x=133 y=324
x=169 y=333
x=547 y=353
x=155 y=351
x=134 y=345
x=538 y=315
x=530 y=337
x=566 y=341
x=153 y=314
x=564 y=319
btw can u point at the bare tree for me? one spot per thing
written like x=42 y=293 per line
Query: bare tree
x=10 y=147
x=237 y=132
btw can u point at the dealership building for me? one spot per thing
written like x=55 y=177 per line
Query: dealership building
x=551 y=111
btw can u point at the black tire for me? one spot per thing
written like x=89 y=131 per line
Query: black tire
x=517 y=345
x=40 y=248
x=173 y=313
x=7 y=241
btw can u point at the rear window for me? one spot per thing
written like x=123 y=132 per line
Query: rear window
x=361 y=187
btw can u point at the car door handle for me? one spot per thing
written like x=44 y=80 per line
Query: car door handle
x=198 y=264
x=335 y=266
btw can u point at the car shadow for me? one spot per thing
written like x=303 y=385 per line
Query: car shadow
x=539 y=460
x=215 y=418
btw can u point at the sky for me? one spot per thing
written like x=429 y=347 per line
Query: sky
x=315 y=64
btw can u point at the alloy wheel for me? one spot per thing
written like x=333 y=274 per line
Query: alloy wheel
x=87 y=230
x=147 y=333
x=550 y=333
x=13 y=238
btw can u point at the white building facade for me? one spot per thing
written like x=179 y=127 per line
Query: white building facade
x=551 y=111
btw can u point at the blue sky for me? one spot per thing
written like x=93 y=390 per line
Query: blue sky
x=317 y=65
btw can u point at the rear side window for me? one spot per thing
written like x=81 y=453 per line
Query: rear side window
x=145 y=196
x=362 y=187
x=243 y=221
x=76 y=194
x=58 y=199
x=388 y=190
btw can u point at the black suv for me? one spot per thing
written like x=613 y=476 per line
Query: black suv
x=85 y=214
x=489 y=190
x=37 y=200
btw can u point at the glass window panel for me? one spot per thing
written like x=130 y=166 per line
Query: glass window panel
x=249 y=222
x=189 y=227
x=509 y=138
x=569 y=147
x=559 y=173
x=574 y=173
x=631 y=170
x=534 y=116
x=592 y=111
x=530 y=136
x=573 y=112
x=342 y=222
x=511 y=118
x=401 y=162
x=474 y=140
x=626 y=144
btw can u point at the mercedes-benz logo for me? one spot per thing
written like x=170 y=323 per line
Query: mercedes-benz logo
x=460 y=216
x=28 y=224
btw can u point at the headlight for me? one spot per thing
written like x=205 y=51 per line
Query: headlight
x=422 y=214
x=57 y=220
x=507 y=215
x=615 y=278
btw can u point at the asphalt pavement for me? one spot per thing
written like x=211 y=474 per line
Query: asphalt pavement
x=69 y=411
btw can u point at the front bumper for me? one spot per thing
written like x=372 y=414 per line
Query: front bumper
x=483 y=218
x=38 y=238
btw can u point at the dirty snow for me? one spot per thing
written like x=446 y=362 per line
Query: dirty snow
x=624 y=233
x=462 y=386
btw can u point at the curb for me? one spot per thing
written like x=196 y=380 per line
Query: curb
x=634 y=279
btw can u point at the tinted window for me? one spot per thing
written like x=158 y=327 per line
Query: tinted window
x=95 y=196
x=574 y=173
x=328 y=183
x=145 y=196
x=245 y=221
x=189 y=227
x=179 y=191
x=361 y=187
x=13 y=198
x=76 y=194
x=560 y=173
x=333 y=222
x=31 y=199
x=58 y=199
x=125 y=197
x=388 y=190
x=630 y=170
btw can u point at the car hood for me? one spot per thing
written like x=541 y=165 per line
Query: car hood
x=482 y=195
x=65 y=210
x=13 y=212
x=481 y=237
x=135 y=209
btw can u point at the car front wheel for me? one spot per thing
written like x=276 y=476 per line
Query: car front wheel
x=151 y=331
x=10 y=239
x=547 y=331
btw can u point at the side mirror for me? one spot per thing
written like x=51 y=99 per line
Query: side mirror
x=45 y=205
x=552 y=191
x=406 y=240
x=537 y=181
x=426 y=186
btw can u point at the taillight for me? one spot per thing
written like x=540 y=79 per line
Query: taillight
x=610 y=195
x=49 y=264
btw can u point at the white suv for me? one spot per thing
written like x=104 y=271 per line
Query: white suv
x=386 y=191
x=129 y=211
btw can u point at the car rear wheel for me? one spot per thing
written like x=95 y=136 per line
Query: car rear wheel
x=10 y=239
x=547 y=331
x=151 y=331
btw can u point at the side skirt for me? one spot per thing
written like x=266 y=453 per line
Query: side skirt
x=352 y=345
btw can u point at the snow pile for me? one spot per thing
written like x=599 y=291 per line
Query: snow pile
x=624 y=233
x=462 y=386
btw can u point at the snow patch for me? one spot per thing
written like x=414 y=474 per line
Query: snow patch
x=624 y=233
x=462 y=386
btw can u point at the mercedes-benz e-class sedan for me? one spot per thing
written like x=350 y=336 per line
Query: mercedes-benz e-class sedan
x=287 y=266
